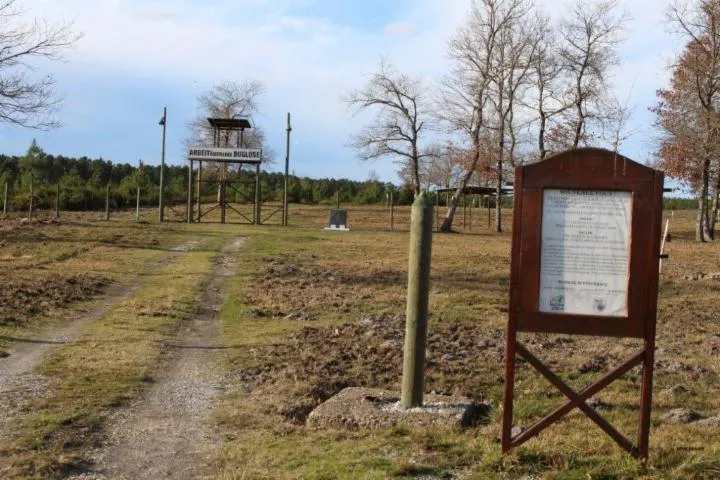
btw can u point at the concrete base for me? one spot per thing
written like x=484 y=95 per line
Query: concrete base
x=355 y=408
x=341 y=228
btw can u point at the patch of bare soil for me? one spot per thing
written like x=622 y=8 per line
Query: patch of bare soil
x=166 y=433
x=297 y=289
x=22 y=298
x=316 y=363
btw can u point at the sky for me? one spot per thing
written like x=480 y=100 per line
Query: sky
x=138 y=56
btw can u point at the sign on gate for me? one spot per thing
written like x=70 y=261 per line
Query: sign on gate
x=216 y=154
x=585 y=254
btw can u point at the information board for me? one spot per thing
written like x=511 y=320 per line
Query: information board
x=585 y=252
x=584 y=261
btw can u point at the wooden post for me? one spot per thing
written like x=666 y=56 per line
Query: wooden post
x=437 y=211
x=5 y=197
x=337 y=199
x=137 y=205
x=161 y=200
x=222 y=188
x=31 y=197
x=662 y=244
x=199 y=191
x=287 y=166
x=472 y=201
x=392 y=211
x=413 y=381
x=190 y=193
x=488 y=206
x=57 y=201
x=107 y=202
x=258 y=198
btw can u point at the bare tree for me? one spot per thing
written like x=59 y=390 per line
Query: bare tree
x=590 y=37
x=475 y=94
x=400 y=121
x=228 y=100
x=442 y=169
x=509 y=76
x=616 y=122
x=547 y=99
x=27 y=101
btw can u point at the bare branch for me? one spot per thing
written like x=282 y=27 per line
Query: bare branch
x=399 y=122
x=26 y=101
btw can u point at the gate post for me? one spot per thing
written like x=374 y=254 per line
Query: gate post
x=190 y=194
x=258 y=220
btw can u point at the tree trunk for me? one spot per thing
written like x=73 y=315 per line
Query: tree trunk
x=447 y=222
x=579 y=125
x=701 y=223
x=715 y=206
x=541 y=135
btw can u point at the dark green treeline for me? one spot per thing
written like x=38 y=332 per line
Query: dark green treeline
x=83 y=183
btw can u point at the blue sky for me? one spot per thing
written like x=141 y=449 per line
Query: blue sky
x=137 y=56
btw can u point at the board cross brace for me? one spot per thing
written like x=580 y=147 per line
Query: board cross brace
x=575 y=400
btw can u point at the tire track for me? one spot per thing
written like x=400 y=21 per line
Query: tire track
x=166 y=433
x=19 y=383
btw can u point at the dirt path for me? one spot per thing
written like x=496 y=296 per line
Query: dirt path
x=165 y=433
x=19 y=383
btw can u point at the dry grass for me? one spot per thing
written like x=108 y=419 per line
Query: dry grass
x=292 y=313
x=320 y=281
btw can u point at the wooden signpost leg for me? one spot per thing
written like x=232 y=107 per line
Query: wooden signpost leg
x=509 y=390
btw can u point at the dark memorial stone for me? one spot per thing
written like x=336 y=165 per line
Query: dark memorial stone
x=338 y=219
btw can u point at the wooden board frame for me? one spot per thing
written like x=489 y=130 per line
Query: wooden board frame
x=584 y=169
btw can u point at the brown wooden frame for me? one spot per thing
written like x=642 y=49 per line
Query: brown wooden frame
x=584 y=169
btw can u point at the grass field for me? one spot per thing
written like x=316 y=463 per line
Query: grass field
x=310 y=312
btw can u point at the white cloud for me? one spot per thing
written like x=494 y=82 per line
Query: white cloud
x=399 y=29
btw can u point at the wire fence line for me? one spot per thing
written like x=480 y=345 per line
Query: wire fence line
x=112 y=203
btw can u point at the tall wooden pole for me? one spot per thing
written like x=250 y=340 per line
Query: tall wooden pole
x=137 y=205
x=258 y=220
x=413 y=381
x=199 y=191
x=57 y=201
x=161 y=206
x=31 y=197
x=107 y=202
x=5 y=197
x=190 y=193
x=337 y=198
x=287 y=168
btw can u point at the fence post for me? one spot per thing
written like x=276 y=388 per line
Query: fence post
x=5 y=197
x=107 y=202
x=137 y=205
x=413 y=381
x=287 y=166
x=392 y=211
x=472 y=202
x=31 y=197
x=57 y=201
